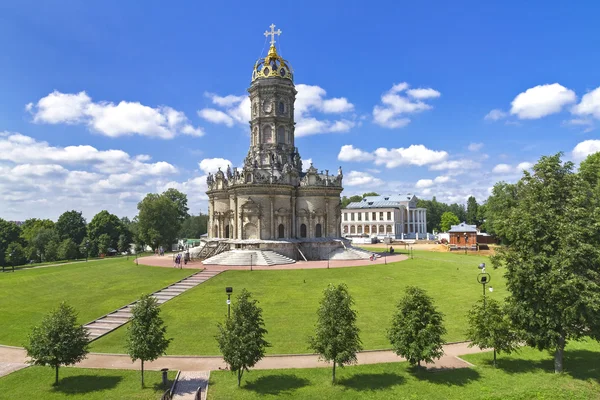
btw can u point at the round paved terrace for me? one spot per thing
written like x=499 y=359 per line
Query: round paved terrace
x=167 y=261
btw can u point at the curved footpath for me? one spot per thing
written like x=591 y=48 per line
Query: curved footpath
x=450 y=359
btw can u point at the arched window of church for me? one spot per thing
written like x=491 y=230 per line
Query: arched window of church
x=303 y=230
x=281 y=231
x=267 y=134
x=281 y=107
x=318 y=232
x=226 y=231
x=281 y=134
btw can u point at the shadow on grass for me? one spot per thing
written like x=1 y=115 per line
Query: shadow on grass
x=371 y=381
x=276 y=384
x=450 y=377
x=86 y=384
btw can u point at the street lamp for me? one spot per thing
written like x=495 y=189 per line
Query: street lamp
x=251 y=261
x=87 y=245
x=466 y=242
x=484 y=278
x=12 y=263
x=228 y=290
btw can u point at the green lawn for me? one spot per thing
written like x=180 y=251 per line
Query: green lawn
x=93 y=288
x=36 y=383
x=526 y=375
x=290 y=299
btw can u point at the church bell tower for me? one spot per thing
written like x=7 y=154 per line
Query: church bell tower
x=272 y=97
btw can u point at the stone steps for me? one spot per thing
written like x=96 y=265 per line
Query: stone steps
x=117 y=318
x=248 y=257
x=350 y=253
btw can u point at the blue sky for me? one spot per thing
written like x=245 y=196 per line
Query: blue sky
x=103 y=102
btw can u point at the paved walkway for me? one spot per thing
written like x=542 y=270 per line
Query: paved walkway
x=188 y=384
x=450 y=359
x=121 y=316
x=322 y=264
x=6 y=367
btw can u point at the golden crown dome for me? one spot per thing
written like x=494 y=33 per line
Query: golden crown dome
x=272 y=66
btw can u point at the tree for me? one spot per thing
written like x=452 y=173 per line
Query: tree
x=498 y=208
x=370 y=194
x=45 y=241
x=104 y=243
x=490 y=328
x=123 y=244
x=88 y=248
x=15 y=254
x=351 y=199
x=194 y=226
x=241 y=338
x=31 y=227
x=336 y=334
x=180 y=200
x=9 y=233
x=71 y=225
x=67 y=250
x=589 y=169
x=158 y=220
x=146 y=339
x=448 y=219
x=417 y=328
x=59 y=340
x=472 y=211
x=553 y=257
x=459 y=210
x=105 y=223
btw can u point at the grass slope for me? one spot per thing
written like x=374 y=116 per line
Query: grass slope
x=35 y=383
x=93 y=288
x=290 y=299
x=526 y=375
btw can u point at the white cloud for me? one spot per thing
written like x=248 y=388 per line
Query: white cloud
x=395 y=107
x=495 y=115
x=542 y=100
x=306 y=163
x=589 y=104
x=412 y=155
x=357 y=178
x=502 y=169
x=310 y=100
x=524 y=166
x=475 y=146
x=350 y=153
x=212 y=165
x=585 y=148
x=424 y=183
x=463 y=165
x=40 y=180
x=442 y=179
x=110 y=119
x=215 y=116
x=509 y=169
x=422 y=94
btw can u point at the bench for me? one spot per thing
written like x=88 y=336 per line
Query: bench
x=5 y=267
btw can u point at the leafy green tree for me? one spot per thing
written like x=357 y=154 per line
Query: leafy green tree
x=180 y=200
x=104 y=243
x=158 y=220
x=194 y=226
x=490 y=328
x=146 y=339
x=589 y=169
x=448 y=219
x=67 y=250
x=59 y=340
x=336 y=336
x=351 y=199
x=458 y=210
x=15 y=254
x=241 y=338
x=370 y=194
x=124 y=244
x=498 y=208
x=88 y=248
x=31 y=227
x=552 y=261
x=9 y=233
x=435 y=209
x=71 y=225
x=417 y=328
x=472 y=211
x=44 y=244
x=105 y=223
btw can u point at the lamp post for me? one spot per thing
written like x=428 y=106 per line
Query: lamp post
x=12 y=263
x=87 y=246
x=484 y=278
x=251 y=261
x=466 y=242
x=228 y=290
